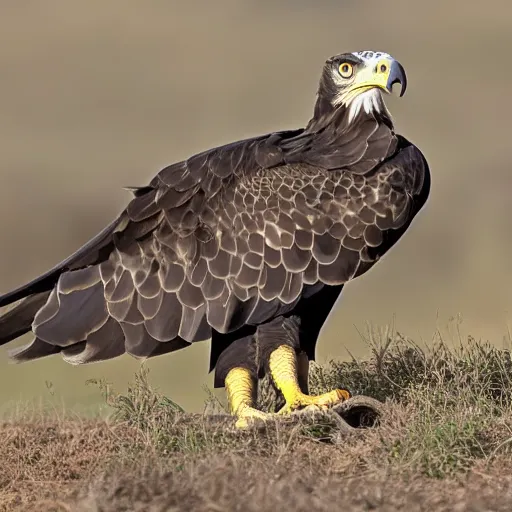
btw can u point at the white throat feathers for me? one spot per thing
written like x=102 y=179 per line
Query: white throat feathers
x=367 y=102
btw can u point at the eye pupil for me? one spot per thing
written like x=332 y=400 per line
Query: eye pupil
x=383 y=67
x=345 y=70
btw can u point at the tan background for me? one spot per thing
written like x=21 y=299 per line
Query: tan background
x=100 y=94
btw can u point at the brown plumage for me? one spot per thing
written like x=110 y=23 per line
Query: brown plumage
x=230 y=238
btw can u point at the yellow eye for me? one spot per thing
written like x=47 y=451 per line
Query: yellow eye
x=346 y=70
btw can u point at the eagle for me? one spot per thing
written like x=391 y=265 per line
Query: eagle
x=248 y=245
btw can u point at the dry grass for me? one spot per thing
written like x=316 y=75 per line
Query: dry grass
x=444 y=443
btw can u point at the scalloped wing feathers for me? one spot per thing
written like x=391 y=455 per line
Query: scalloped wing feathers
x=231 y=236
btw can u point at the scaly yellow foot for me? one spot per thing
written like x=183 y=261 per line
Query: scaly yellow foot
x=298 y=400
x=247 y=416
x=283 y=369
x=240 y=387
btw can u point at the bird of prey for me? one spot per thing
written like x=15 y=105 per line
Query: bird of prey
x=248 y=244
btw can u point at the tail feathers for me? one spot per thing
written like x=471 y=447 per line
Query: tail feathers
x=37 y=349
x=105 y=343
x=18 y=320
x=97 y=312
x=73 y=320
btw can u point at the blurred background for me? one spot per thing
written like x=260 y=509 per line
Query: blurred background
x=98 y=95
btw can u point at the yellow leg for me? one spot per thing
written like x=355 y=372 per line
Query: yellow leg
x=240 y=388
x=284 y=369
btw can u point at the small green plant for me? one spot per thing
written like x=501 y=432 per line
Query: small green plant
x=144 y=408
x=437 y=438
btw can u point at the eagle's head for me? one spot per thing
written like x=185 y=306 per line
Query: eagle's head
x=354 y=82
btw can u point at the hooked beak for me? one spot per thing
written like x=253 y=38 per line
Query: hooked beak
x=396 y=75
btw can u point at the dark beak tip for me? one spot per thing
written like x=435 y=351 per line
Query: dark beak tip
x=403 y=87
x=398 y=76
